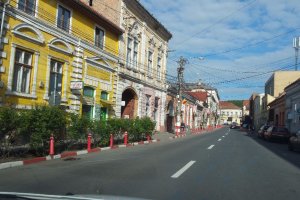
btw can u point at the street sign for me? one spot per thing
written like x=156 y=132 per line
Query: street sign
x=76 y=85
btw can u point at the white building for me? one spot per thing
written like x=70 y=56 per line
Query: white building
x=230 y=112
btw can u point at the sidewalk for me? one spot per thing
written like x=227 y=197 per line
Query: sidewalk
x=163 y=136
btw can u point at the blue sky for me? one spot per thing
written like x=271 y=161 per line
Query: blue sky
x=242 y=42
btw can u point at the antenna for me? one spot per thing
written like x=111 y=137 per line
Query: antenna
x=296 y=46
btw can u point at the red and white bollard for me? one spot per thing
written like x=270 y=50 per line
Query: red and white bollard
x=89 y=140
x=111 y=143
x=51 y=150
x=125 y=138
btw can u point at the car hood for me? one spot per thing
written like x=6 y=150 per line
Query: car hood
x=17 y=195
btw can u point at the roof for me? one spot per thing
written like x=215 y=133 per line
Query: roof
x=92 y=11
x=292 y=84
x=246 y=103
x=158 y=26
x=278 y=100
x=201 y=96
x=227 y=105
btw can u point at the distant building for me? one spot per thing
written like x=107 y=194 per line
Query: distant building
x=246 y=108
x=251 y=108
x=277 y=111
x=279 y=80
x=274 y=87
x=213 y=111
x=230 y=112
x=258 y=119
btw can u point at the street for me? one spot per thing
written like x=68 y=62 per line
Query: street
x=224 y=164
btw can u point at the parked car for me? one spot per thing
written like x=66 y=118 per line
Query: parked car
x=294 y=141
x=275 y=132
x=233 y=125
x=262 y=130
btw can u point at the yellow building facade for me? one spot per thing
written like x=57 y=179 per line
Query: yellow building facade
x=58 y=52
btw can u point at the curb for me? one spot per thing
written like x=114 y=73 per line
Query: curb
x=70 y=154
x=194 y=133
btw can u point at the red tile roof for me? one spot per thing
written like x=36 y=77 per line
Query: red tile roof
x=246 y=103
x=201 y=96
x=228 y=105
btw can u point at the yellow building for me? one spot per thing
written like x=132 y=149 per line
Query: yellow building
x=58 y=52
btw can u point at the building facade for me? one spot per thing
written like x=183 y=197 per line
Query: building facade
x=143 y=50
x=277 y=111
x=230 y=113
x=47 y=58
x=292 y=106
x=274 y=87
x=258 y=119
x=213 y=110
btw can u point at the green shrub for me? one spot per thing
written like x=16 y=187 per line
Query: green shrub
x=101 y=132
x=9 y=122
x=78 y=126
x=42 y=121
x=148 y=125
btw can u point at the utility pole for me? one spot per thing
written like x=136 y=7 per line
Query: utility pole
x=182 y=61
x=296 y=46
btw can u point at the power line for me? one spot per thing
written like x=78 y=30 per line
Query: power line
x=250 y=45
x=217 y=22
x=252 y=76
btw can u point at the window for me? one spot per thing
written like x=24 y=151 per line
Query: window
x=28 y=6
x=99 y=38
x=63 y=18
x=155 y=113
x=22 y=71
x=147 y=104
x=159 y=68
x=104 y=95
x=103 y=114
x=150 y=55
x=55 y=77
x=88 y=91
x=87 y=111
x=129 y=51
x=135 y=53
x=132 y=52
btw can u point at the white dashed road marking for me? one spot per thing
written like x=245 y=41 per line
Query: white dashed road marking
x=223 y=136
x=183 y=169
x=219 y=139
x=211 y=146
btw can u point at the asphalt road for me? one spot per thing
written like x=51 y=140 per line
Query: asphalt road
x=220 y=165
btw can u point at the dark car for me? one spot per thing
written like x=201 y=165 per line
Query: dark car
x=233 y=125
x=275 y=132
x=262 y=130
x=294 y=141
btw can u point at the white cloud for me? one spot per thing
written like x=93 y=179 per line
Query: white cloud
x=254 y=22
